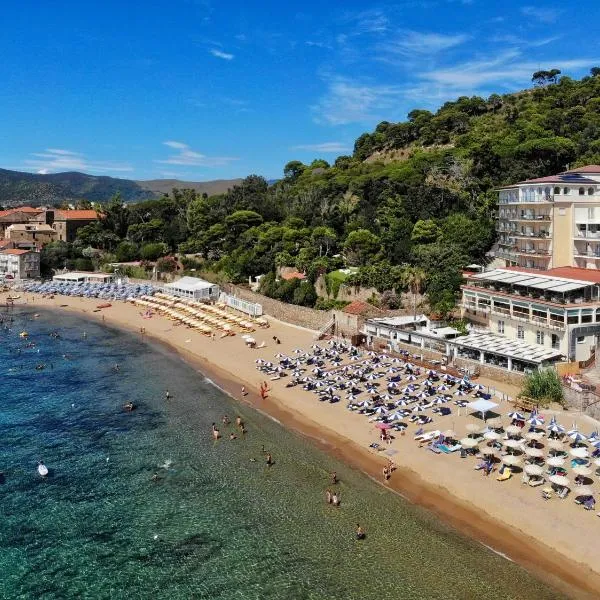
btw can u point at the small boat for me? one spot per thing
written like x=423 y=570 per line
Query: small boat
x=42 y=469
x=13 y=297
x=24 y=334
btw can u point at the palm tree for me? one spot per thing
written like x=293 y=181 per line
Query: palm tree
x=414 y=278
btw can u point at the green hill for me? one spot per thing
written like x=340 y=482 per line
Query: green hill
x=18 y=188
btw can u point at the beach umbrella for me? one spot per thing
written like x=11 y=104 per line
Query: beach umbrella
x=556 y=461
x=396 y=415
x=534 y=435
x=555 y=427
x=516 y=415
x=576 y=436
x=380 y=410
x=411 y=377
x=439 y=400
x=460 y=393
x=350 y=397
x=387 y=397
x=473 y=428
x=512 y=443
x=364 y=403
x=582 y=470
x=418 y=408
x=492 y=435
x=579 y=452
x=594 y=436
x=392 y=386
x=513 y=430
x=560 y=480
x=449 y=433
x=422 y=396
x=383 y=426
x=595 y=443
x=583 y=490
x=555 y=445
x=534 y=470
x=443 y=387
x=511 y=461
x=402 y=402
x=372 y=391
x=536 y=421
x=469 y=442
x=534 y=452
x=371 y=377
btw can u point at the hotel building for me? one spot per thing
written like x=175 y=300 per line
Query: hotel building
x=551 y=221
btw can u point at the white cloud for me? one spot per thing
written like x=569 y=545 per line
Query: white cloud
x=410 y=43
x=221 y=54
x=53 y=160
x=187 y=157
x=318 y=44
x=350 y=101
x=326 y=147
x=542 y=14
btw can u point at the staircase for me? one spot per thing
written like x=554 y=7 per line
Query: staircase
x=325 y=329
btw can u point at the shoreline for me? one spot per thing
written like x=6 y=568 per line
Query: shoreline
x=567 y=575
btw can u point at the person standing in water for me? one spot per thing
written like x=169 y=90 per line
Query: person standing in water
x=167 y=395
x=360 y=533
x=269 y=460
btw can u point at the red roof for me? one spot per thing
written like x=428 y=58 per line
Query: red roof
x=76 y=215
x=586 y=169
x=293 y=275
x=23 y=209
x=575 y=273
x=357 y=307
x=15 y=251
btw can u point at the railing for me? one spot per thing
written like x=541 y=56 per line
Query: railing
x=588 y=254
x=501 y=311
x=588 y=235
x=538 y=251
x=532 y=234
x=323 y=331
x=532 y=218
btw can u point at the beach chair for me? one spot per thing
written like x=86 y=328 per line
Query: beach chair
x=547 y=493
x=535 y=481
x=507 y=474
x=564 y=492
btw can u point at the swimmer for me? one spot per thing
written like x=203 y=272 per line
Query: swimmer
x=269 y=460
x=243 y=430
x=116 y=367
x=155 y=477
x=360 y=533
x=226 y=420
x=129 y=406
x=167 y=395
x=238 y=421
x=244 y=392
x=216 y=434
x=84 y=335
x=334 y=478
x=40 y=367
x=336 y=499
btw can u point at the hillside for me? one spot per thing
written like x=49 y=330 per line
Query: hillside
x=18 y=188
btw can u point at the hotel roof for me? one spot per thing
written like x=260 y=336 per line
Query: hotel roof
x=75 y=215
x=15 y=251
x=538 y=280
x=497 y=344
x=572 y=176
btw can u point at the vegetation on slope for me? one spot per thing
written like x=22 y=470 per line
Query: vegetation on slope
x=408 y=225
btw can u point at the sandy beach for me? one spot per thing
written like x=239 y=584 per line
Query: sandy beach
x=556 y=540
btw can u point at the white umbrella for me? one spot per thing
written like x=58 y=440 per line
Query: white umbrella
x=460 y=393
x=534 y=452
x=380 y=410
x=411 y=377
x=560 y=480
x=396 y=416
x=511 y=460
x=534 y=470
x=387 y=397
x=512 y=443
x=556 y=461
x=418 y=408
x=583 y=490
x=594 y=436
x=449 y=433
x=513 y=430
x=535 y=420
x=555 y=445
x=469 y=442
x=576 y=436
x=492 y=435
x=534 y=435
x=555 y=427
x=579 y=452
x=582 y=470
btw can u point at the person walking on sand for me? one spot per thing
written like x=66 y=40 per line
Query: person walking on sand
x=244 y=392
x=386 y=473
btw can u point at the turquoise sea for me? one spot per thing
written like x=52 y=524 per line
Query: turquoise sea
x=217 y=524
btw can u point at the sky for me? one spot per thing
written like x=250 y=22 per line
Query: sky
x=201 y=90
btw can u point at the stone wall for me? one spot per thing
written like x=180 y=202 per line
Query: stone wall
x=585 y=402
x=290 y=313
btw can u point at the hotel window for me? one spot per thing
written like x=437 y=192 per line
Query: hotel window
x=539 y=337
x=581 y=339
x=590 y=191
x=500 y=326
x=520 y=332
x=581 y=191
x=557 y=190
x=566 y=191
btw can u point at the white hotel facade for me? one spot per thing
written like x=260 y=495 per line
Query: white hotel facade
x=544 y=295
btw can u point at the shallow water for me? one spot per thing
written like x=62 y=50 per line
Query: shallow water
x=217 y=524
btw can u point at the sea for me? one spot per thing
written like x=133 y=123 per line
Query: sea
x=145 y=504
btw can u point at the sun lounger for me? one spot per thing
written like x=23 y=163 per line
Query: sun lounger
x=425 y=437
x=564 y=492
x=434 y=448
x=535 y=481
x=507 y=474
x=449 y=449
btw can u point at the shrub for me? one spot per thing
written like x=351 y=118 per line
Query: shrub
x=126 y=251
x=154 y=250
x=544 y=386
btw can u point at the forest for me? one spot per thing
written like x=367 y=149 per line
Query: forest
x=412 y=206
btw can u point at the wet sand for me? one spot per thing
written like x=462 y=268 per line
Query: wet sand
x=556 y=540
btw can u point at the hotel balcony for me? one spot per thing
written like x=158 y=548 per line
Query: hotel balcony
x=542 y=235
x=537 y=199
x=588 y=235
x=544 y=217
x=533 y=251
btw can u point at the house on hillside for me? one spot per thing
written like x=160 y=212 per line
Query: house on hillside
x=350 y=320
x=21 y=215
x=67 y=222
x=19 y=264
x=30 y=235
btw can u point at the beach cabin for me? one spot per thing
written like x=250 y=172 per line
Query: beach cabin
x=84 y=277
x=193 y=288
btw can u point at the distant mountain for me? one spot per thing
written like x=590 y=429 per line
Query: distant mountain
x=18 y=188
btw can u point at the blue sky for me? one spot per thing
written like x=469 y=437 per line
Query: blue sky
x=200 y=89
